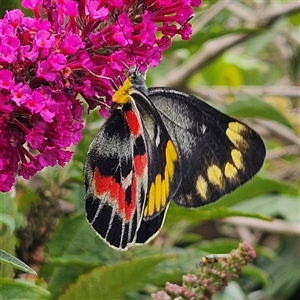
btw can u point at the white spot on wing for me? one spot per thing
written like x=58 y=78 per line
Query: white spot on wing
x=126 y=181
x=203 y=128
x=157 y=138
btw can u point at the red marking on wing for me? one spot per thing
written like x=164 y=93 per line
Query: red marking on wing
x=114 y=189
x=133 y=122
x=121 y=202
x=107 y=184
x=102 y=183
x=140 y=162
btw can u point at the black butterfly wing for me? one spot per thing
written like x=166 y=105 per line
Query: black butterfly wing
x=116 y=178
x=164 y=176
x=217 y=153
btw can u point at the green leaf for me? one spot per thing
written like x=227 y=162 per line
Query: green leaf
x=295 y=64
x=254 y=188
x=6 y=203
x=251 y=106
x=285 y=272
x=233 y=292
x=113 y=282
x=15 y=262
x=76 y=239
x=257 y=273
x=222 y=72
x=184 y=261
x=21 y=289
x=207 y=213
x=183 y=218
x=295 y=19
x=8 y=222
x=283 y=206
x=9 y=5
x=74 y=249
x=219 y=246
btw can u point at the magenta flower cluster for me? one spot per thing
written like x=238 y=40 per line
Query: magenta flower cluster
x=70 y=48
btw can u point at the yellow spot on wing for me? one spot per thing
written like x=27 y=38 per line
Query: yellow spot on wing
x=201 y=186
x=215 y=175
x=234 y=133
x=172 y=151
x=230 y=171
x=171 y=157
x=163 y=193
x=237 y=158
x=158 y=192
x=167 y=181
x=160 y=189
x=236 y=139
x=169 y=165
x=237 y=127
x=122 y=95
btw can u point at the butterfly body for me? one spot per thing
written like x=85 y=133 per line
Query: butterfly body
x=158 y=145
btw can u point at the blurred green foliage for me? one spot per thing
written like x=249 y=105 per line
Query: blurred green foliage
x=256 y=80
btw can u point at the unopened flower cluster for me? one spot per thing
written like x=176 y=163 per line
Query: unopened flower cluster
x=67 y=49
x=211 y=278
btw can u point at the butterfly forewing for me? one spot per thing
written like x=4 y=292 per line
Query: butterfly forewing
x=164 y=175
x=216 y=153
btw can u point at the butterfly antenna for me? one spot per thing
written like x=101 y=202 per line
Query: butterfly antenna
x=104 y=77
x=126 y=66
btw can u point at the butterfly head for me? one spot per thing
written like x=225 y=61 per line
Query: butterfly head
x=137 y=79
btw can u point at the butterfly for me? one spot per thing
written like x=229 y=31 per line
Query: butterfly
x=158 y=145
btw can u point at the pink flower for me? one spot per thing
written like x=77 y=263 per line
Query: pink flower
x=35 y=137
x=31 y=3
x=46 y=71
x=6 y=181
x=6 y=80
x=20 y=93
x=44 y=39
x=96 y=12
x=57 y=61
x=35 y=103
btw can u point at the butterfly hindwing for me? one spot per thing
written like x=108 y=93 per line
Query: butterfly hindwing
x=116 y=177
x=216 y=153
